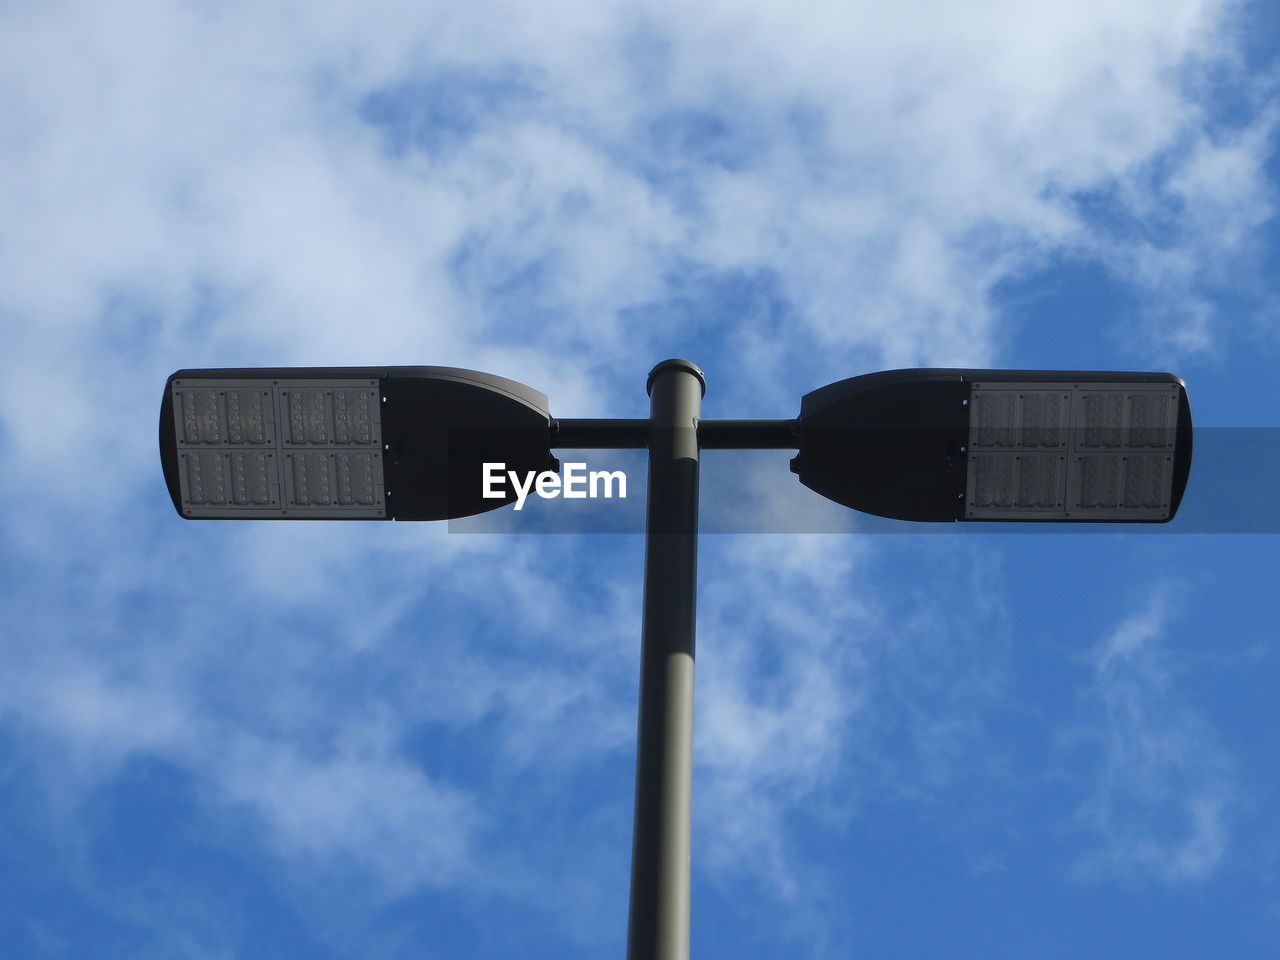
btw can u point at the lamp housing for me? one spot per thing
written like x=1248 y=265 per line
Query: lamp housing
x=345 y=443
x=999 y=445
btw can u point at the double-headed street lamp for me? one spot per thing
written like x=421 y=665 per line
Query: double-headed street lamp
x=412 y=443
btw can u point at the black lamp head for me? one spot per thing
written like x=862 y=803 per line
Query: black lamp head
x=999 y=445
x=354 y=443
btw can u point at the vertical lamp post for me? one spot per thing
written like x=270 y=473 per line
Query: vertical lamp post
x=410 y=443
x=660 y=858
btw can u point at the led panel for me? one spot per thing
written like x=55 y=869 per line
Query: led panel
x=1071 y=451
x=259 y=449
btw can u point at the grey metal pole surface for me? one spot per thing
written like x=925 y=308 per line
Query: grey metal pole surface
x=658 y=928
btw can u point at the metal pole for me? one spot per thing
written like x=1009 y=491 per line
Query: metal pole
x=659 y=917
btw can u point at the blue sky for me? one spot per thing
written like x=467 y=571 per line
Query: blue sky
x=373 y=740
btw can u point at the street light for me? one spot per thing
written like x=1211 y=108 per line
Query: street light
x=410 y=443
x=345 y=443
x=999 y=445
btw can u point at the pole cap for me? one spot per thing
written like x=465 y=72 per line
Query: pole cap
x=684 y=365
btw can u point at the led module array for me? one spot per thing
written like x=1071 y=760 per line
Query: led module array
x=1071 y=451
x=279 y=448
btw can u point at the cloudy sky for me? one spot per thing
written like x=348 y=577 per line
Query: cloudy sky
x=368 y=740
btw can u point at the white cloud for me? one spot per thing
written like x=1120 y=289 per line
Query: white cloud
x=287 y=680
x=839 y=677
x=378 y=811
x=885 y=173
x=1161 y=801
x=780 y=684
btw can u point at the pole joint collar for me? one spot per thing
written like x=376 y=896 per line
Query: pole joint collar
x=684 y=365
